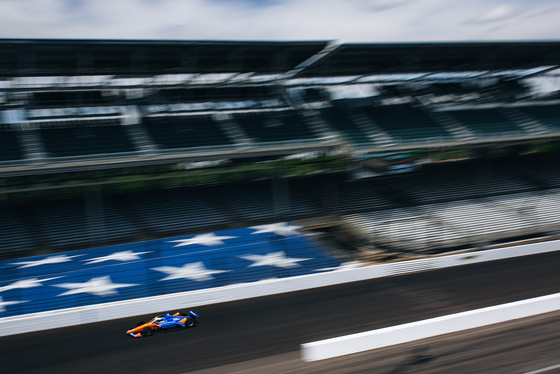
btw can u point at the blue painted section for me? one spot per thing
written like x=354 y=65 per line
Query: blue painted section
x=155 y=267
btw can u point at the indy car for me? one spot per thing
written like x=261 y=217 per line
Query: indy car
x=163 y=323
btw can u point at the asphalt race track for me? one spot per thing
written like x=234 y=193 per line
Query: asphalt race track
x=524 y=346
x=276 y=325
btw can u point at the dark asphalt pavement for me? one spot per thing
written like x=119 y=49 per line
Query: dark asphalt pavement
x=275 y=325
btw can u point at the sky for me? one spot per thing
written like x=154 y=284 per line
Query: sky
x=283 y=20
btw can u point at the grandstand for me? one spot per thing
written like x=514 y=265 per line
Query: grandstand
x=108 y=142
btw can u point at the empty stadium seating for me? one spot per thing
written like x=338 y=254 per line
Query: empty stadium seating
x=548 y=115
x=340 y=120
x=406 y=123
x=10 y=147
x=192 y=110
x=68 y=214
x=441 y=206
x=14 y=237
x=176 y=132
x=174 y=210
x=282 y=126
x=456 y=181
x=56 y=116
x=464 y=223
x=80 y=138
x=61 y=99
x=486 y=122
x=209 y=94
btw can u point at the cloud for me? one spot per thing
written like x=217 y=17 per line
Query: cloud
x=497 y=13
x=344 y=20
x=377 y=5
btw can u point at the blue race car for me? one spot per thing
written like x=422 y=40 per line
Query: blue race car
x=163 y=323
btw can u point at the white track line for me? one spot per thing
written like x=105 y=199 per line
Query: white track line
x=543 y=370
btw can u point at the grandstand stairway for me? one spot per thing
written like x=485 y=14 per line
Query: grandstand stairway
x=338 y=118
x=232 y=130
x=487 y=122
x=528 y=124
x=318 y=125
x=406 y=123
x=379 y=137
x=140 y=137
x=32 y=145
x=548 y=115
x=455 y=128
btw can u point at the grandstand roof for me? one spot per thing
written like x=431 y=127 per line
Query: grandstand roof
x=362 y=59
x=51 y=57
x=33 y=57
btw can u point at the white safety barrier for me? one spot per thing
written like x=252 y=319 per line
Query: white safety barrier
x=103 y=312
x=408 y=332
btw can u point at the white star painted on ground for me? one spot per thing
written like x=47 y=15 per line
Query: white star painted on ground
x=45 y=261
x=193 y=271
x=281 y=228
x=100 y=286
x=204 y=239
x=277 y=259
x=26 y=283
x=4 y=303
x=117 y=256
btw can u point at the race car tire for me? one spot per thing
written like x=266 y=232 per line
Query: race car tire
x=140 y=323
x=147 y=331
x=190 y=322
